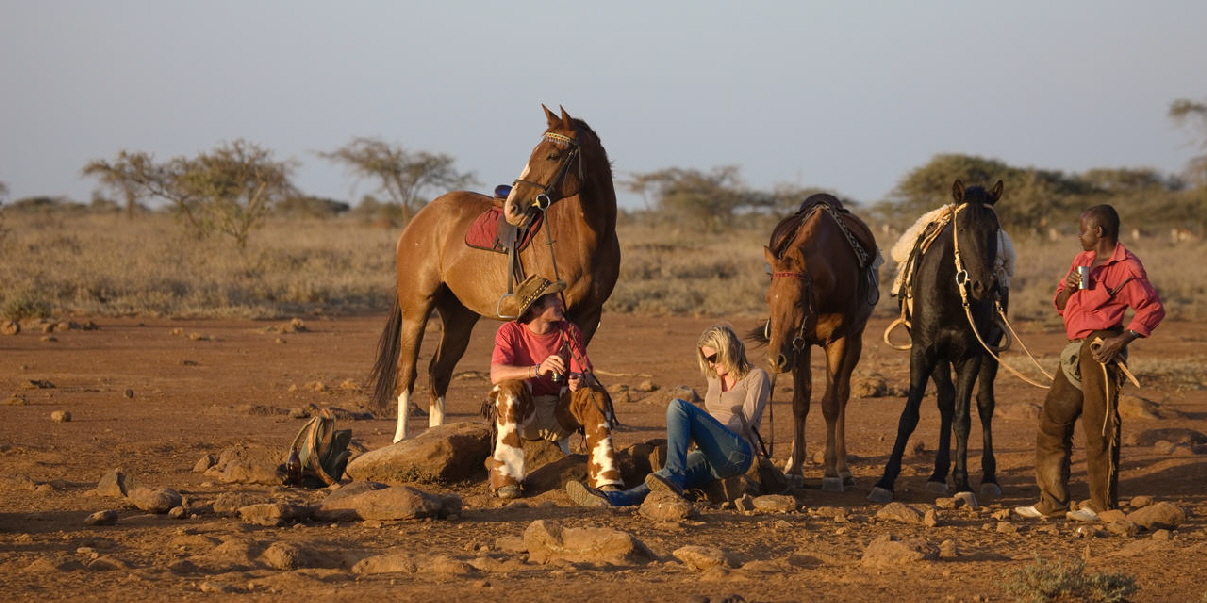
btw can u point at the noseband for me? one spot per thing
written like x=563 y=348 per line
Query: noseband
x=543 y=200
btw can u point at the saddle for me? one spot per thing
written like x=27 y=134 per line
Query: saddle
x=492 y=232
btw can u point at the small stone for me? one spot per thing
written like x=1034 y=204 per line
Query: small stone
x=107 y=517
x=60 y=416
x=129 y=393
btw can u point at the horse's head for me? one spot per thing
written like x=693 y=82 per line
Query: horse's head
x=790 y=301
x=554 y=170
x=976 y=236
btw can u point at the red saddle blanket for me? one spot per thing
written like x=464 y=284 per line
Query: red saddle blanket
x=483 y=232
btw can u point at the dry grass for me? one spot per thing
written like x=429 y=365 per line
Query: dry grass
x=89 y=264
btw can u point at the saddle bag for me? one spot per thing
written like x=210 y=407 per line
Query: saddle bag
x=322 y=450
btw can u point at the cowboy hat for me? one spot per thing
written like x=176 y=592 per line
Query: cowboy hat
x=533 y=288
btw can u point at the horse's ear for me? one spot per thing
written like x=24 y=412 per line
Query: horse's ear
x=957 y=191
x=550 y=118
x=769 y=256
x=567 y=121
x=995 y=193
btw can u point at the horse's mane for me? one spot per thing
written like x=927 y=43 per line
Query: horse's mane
x=785 y=231
x=579 y=124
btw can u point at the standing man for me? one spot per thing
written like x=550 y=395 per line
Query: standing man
x=1092 y=367
x=544 y=389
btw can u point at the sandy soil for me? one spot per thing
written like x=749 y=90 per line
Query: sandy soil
x=153 y=396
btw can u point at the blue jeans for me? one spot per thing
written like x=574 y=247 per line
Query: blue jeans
x=719 y=453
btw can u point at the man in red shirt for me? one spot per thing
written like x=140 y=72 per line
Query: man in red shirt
x=1091 y=378
x=544 y=389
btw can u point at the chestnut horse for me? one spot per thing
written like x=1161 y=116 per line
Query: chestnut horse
x=569 y=177
x=953 y=323
x=823 y=287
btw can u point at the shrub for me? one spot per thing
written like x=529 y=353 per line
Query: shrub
x=1059 y=582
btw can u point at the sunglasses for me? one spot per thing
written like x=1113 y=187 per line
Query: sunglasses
x=711 y=359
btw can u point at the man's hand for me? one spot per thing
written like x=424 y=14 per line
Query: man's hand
x=1111 y=347
x=574 y=381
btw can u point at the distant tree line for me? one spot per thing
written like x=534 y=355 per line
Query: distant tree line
x=231 y=189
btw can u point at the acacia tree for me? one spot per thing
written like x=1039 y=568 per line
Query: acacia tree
x=402 y=175
x=229 y=190
x=707 y=198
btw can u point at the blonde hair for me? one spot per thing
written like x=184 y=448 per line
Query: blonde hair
x=731 y=352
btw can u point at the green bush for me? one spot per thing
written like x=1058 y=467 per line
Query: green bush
x=1060 y=582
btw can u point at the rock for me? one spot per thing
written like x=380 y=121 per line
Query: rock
x=1121 y=527
x=548 y=542
x=901 y=512
x=1141 y=501
x=286 y=556
x=115 y=483
x=1111 y=515
x=872 y=385
x=774 y=503
x=948 y=549
x=1177 y=435
x=204 y=463
x=107 y=517
x=230 y=502
x=249 y=464
x=554 y=475
x=887 y=551
x=274 y=514
x=647 y=386
x=830 y=512
x=666 y=506
x=1161 y=515
x=60 y=416
x=390 y=563
x=154 y=501
x=703 y=558
x=361 y=501
x=444 y=453
x=10 y=327
x=18 y=400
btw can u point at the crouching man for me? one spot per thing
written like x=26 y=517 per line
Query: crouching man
x=544 y=389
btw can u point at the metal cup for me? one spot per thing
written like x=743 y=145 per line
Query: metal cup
x=556 y=377
x=1084 y=273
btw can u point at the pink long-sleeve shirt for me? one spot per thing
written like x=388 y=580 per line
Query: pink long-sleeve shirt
x=1116 y=285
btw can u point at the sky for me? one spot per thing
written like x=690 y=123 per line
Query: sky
x=844 y=96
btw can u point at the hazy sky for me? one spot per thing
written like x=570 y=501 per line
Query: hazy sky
x=847 y=96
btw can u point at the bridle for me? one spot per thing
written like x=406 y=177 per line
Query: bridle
x=798 y=342
x=543 y=200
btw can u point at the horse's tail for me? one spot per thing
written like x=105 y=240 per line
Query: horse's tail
x=385 y=371
x=759 y=335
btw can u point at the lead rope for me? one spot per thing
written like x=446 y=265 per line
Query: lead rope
x=961 y=286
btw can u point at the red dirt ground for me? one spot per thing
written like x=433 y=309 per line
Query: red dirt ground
x=152 y=396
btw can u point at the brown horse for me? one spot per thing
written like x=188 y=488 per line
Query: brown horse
x=823 y=287
x=569 y=178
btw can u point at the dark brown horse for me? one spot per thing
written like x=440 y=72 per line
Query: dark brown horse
x=823 y=288
x=569 y=177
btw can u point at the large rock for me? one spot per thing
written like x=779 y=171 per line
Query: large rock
x=154 y=500
x=249 y=464
x=888 y=551
x=549 y=542
x=666 y=506
x=274 y=514
x=445 y=453
x=374 y=501
x=1161 y=515
x=115 y=483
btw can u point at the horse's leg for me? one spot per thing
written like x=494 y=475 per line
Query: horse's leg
x=966 y=372
x=414 y=322
x=802 y=390
x=920 y=366
x=458 y=324
x=985 y=405
x=841 y=356
x=945 y=395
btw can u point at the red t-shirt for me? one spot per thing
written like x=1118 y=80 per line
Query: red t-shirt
x=517 y=345
x=1115 y=286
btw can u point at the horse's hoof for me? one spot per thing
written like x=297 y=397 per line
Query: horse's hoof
x=795 y=480
x=968 y=497
x=990 y=490
x=848 y=480
x=880 y=495
x=937 y=487
x=831 y=484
